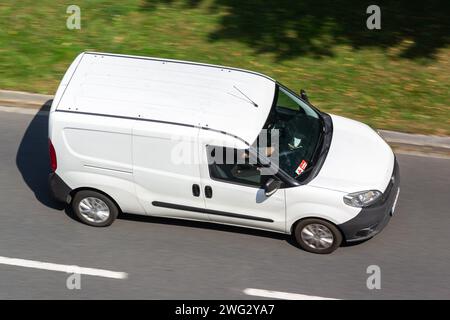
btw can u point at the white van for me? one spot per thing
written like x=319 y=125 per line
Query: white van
x=180 y=139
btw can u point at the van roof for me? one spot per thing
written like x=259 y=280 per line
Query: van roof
x=226 y=99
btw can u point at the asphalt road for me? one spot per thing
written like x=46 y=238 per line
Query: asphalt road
x=169 y=259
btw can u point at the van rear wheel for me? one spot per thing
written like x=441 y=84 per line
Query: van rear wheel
x=317 y=236
x=94 y=208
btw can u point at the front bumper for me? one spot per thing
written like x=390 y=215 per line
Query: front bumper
x=59 y=190
x=371 y=220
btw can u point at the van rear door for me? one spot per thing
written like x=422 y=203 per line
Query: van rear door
x=166 y=171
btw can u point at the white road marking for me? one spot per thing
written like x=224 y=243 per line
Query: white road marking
x=63 y=268
x=30 y=111
x=281 y=295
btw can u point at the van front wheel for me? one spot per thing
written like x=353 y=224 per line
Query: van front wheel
x=94 y=208
x=317 y=236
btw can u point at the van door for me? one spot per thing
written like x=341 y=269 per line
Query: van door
x=166 y=171
x=234 y=194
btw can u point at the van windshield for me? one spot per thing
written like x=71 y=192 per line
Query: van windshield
x=300 y=130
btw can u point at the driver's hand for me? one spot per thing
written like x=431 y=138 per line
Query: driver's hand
x=269 y=151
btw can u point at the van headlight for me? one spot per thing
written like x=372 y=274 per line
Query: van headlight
x=362 y=198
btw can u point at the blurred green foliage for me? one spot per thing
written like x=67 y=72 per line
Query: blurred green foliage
x=394 y=78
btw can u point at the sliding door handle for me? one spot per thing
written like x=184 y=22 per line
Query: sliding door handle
x=195 y=190
x=208 y=192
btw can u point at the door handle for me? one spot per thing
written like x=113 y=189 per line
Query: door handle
x=208 y=192
x=195 y=190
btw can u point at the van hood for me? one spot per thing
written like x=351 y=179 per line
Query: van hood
x=358 y=159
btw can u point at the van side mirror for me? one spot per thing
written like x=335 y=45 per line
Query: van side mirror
x=271 y=186
x=303 y=95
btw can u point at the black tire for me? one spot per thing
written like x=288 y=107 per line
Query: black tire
x=313 y=222
x=83 y=194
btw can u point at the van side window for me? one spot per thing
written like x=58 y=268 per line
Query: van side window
x=230 y=165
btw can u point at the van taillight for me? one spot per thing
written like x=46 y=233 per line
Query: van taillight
x=52 y=153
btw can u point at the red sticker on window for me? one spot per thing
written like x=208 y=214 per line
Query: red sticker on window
x=301 y=167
